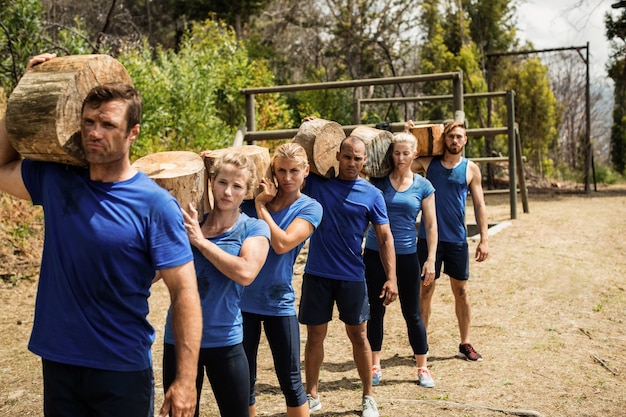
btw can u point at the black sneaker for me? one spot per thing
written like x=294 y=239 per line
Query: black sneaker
x=466 y=351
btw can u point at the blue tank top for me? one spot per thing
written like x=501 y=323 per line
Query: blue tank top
x=450 y=199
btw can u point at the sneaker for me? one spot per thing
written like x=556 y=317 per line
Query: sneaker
x=425 y=378
x=377 y=375
x=314 y=403
x=466 y=351
x=370 y=409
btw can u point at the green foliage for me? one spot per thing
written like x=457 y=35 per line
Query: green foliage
x=606 y=175
x=25 y=33
x=192 y=98
x=536 y=113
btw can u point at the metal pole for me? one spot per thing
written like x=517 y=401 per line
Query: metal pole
x=510 y=124
x=457 y=93
x=587 y=146
x=250 y=121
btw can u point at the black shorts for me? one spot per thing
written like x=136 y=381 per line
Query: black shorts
x=319 y=295
x=454 y=256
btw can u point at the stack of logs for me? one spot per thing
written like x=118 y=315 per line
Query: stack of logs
x=43 y=123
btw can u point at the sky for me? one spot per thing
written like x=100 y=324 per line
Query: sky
x=565 y=23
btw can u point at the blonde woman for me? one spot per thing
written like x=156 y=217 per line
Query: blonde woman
x=270 y=300
x=229 y=250
x=405 y=194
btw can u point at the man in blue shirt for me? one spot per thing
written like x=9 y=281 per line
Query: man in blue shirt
x=108 y=229
x=335 y=272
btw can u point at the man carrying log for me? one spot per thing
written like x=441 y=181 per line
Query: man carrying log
x=108 y=228
x=334 y=271
x=453 y=175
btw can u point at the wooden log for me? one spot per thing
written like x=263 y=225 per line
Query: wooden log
x=43 y=112
x=259 y=155
x=429 y=139
x=320 y=139
x=179 y=172
x=377 y=141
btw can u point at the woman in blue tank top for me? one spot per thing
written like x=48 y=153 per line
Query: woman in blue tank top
x=405 y=194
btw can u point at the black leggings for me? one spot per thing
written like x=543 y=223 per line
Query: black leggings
x=409 y=283
x=227 y=370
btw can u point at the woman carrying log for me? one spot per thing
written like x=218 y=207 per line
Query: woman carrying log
x=229 y=249
x=270 y=299
x=405 y=195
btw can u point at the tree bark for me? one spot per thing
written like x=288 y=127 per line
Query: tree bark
x=321 y=139
x=429 y=139
x=179 y=172
x=377 y=141
x=43 y=112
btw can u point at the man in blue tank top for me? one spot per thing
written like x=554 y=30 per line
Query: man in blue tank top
x=453 y=175
x=108 y=229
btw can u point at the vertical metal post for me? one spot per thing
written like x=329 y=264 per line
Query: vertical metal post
x=250 y=118
x=356 y=111
x=587 y=147
x=457 y=95
x=510 y=123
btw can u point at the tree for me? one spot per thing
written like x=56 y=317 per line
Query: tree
x=616 y=33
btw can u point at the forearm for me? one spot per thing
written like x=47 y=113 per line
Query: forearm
x=232 y=266
x=187 y=325
x=431 y=240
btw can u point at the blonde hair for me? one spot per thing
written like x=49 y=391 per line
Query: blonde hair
x=290 y=150
x=404 y=137
x=239 y=161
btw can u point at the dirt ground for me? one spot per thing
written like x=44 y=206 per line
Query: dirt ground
x=549 y=312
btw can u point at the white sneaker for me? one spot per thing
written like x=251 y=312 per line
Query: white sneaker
x=370 y=409
x=314 y=403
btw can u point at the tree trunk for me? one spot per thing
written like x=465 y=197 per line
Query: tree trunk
x=429 y=139
x=181 y=173
x=43 y=112
x=321 y=139
x=378 y=162
x=259 y=155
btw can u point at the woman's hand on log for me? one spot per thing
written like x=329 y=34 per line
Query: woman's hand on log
x=38 y=59
x=268 y=191
x=309 y=118
x=409 y=125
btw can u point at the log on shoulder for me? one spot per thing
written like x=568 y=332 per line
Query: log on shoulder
x=429 y=139
x=43 y=112
x=320 y=139
x=377 y=145
x=179 y=172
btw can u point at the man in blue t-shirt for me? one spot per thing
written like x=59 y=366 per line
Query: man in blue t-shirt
x=334 y=271
x=453 y=176
x=108 y=229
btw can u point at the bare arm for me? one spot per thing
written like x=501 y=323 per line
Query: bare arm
x=429 y=218
x=180 y=398
x=282 y=241
x=388 y=258
x=10 y=160
x=242 y=268
x=480 y=210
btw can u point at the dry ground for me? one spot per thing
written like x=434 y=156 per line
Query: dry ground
x=549 y=318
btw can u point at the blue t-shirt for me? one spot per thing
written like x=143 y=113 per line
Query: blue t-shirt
x=402 y=208
x=451 y=186
x=219 y=295
x=335 y=249
x=103 y=243
x=272 y=293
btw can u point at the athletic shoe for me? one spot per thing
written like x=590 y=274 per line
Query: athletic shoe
x=466 y=351
x=370 y=409
x=377 y=375
x=425 y=378
x=314 y=403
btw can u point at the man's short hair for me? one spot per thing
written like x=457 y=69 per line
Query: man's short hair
x=447 y=128
x=117 y=91
x=353 y=138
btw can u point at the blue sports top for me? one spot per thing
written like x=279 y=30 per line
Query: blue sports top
x=403 y=208
x=335 y=249
x=451 y=186
x=272 y=293
x=102 y=245
x=220 y=295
